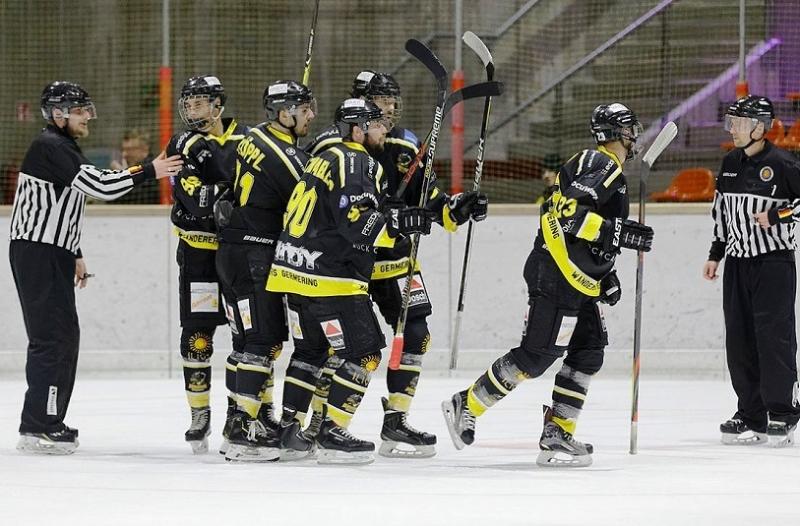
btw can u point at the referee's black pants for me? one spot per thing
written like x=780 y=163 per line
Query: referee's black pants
x=758 y=296
x=44 y=276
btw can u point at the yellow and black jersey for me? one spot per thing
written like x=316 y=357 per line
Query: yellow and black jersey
x=332 y=226
x=208 y=161
x=400 y=149
x=590 y=189
x=268 y=165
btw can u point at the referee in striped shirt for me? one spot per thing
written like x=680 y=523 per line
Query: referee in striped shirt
x=756 y=205
x=46 y=258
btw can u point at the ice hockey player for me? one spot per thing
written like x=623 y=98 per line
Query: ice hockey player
x=324 y=261
x=268 y=165
x=208 y=148
x=584 y=224
x=388 y=277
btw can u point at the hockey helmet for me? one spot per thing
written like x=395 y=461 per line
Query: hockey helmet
x=206 y=87
x=59 y=96
x=753 y=107
x=286 y=95
x=358 y=112
x=382 y=89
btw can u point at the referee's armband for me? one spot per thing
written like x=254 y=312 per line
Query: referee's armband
x=780 y=215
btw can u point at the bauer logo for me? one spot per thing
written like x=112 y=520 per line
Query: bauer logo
x=333 y=332
x=52 y=401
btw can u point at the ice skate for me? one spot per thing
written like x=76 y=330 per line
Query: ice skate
x=295 y=445
x=400 y=440
x=559 y=448
x=197 y=434
x=780 y=434
x=226 y=430
x=335 y=445
x=250 y=442
x=736 y=433
x=63 y=442
x=460 y=420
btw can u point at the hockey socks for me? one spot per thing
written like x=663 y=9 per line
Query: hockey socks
x=569 y=394
x=500 y=379
x=350 y=382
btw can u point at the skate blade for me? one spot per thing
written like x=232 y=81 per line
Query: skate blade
x=223 y=448
x=392 y=449
x=559 y=459
x=779 y=441
x=199 y=447
x=293 y=455
x=449 y=417
x=41 y=446
x=748 y=438
x=336 y=457
x=238 y=453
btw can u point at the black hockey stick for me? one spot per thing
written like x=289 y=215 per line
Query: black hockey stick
x=473 y=91
x=422 y=53
x=480 y=49
x=310 y=47
x=661 y=142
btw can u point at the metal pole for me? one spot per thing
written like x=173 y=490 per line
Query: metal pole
x=457 y=122
x=742 y=88
x=164 y=98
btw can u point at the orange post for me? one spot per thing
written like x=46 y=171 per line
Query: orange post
x=457 y=133
x=165 y=125
x=742 y=90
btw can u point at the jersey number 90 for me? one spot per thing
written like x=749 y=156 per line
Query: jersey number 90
x=299 y=209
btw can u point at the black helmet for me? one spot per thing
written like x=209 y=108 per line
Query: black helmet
x=286 y=95
x=610 y=120
x=201 y=86
x=369 y=84
x=63 y=95
x=359 y=112
x=754 y=107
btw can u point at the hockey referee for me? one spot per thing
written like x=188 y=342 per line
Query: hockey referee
x=46 y=258
x=756 y=205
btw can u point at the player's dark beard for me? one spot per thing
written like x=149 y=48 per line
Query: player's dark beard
x=373 y=149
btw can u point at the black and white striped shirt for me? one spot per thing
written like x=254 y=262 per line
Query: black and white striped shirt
x=53 y=183
x=767 y=182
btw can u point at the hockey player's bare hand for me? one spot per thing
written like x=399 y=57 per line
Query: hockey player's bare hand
x=762 y=218
x=167 y=166
x=81 y=277
x=710 y=270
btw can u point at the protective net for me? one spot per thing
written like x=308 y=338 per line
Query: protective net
x=558 y=58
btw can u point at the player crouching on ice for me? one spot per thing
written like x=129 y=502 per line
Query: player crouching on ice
x=570 y=270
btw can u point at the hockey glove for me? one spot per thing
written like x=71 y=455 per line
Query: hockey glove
x=620 y=233
x=407 y=221
x=610 y=290
x=468 y=204
x=223 y=208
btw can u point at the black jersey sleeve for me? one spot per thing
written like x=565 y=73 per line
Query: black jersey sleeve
x=790 y=171
x=189 y=189
x=583 y=185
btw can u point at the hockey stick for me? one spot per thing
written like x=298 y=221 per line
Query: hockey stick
x=480 y=49
x=307 y=67
x=661 y=142
x=473 y=91
x=422 y=53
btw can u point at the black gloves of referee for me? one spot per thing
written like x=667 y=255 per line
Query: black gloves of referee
x=618 y=233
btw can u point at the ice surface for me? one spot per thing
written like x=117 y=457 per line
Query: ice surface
x=133 y=467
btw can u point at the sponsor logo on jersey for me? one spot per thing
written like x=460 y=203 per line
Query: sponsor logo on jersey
x=766 y=174
x=290 y=151
x=369 y=226
x=343 y=201
x=297 y=257
x=585 y=189
x=333 y=332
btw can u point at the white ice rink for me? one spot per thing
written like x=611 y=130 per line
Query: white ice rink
x=133 y=467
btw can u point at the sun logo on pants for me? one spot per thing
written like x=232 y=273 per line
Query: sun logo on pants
x=199 y=343
x=370 y=363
